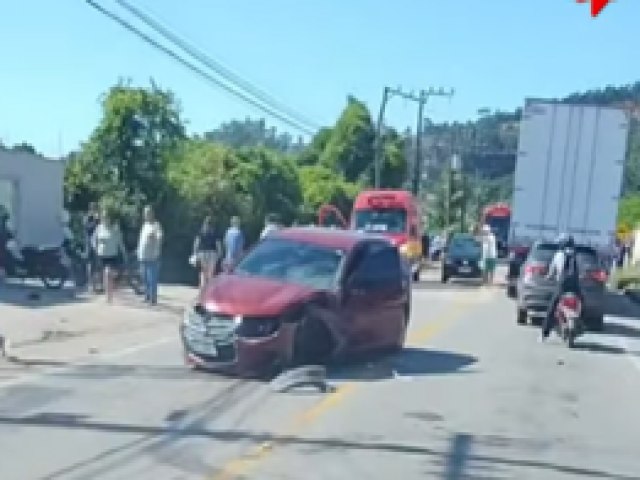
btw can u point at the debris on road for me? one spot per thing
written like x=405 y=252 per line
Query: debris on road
x=305 y=376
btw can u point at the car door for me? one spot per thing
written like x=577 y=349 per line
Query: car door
x=375 y=295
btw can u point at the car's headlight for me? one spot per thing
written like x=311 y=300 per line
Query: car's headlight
x=405 y=249
x=194 y=319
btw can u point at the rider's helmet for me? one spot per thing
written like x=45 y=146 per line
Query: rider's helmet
x=565 y=242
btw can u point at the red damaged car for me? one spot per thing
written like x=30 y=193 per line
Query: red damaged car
x=303 y=295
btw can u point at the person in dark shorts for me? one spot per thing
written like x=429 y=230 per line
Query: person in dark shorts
x=109 y=248
x=207 y=248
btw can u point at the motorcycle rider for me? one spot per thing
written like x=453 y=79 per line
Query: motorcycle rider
x=563 y=269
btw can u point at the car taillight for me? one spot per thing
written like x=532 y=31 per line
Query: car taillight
x=532 y=270
x=570 y=301
x=598 y=276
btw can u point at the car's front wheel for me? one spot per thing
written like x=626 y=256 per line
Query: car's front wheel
x=313 y=343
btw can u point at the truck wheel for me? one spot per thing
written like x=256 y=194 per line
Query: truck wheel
x=522 y=316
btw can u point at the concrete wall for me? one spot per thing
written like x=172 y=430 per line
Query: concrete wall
x=36 y=189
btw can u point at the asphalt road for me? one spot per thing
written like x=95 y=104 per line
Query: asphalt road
x=473 y=396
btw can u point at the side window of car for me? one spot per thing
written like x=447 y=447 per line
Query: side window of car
x=380 y=264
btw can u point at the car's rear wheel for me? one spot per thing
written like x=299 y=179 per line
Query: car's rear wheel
x=521 y=316
x=511 y=291
x=444 y=278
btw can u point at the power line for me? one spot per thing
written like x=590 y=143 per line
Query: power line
x=421 y=99
x=215 y=65
x=199 y=71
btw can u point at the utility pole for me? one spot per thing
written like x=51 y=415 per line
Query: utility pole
x=421 y=99
x=417 y=166
x=378 y=142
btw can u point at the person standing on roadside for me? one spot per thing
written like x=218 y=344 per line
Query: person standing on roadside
x=489 y=254
x=233 y=244
x=149 y=249
x=91 y=222
x=271 y=224
x=206 y=251
x=109 y=247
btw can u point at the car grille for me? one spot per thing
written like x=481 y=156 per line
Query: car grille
x=225 y=354
x=256 y=327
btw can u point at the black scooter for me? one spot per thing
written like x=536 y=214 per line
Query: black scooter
x=49 y=264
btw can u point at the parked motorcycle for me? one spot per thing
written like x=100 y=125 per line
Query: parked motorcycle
x=569 y=323
x=49 y=264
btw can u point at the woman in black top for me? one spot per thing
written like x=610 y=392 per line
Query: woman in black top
x=206 y=248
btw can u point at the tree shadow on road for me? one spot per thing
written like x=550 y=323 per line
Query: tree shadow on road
x=459 y=461
x=410 y=362
x=620 y=305
x=31 y=295
x=451 y=286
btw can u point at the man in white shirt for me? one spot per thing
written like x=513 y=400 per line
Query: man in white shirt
x=489 y=253
x=149 y=247
x=271 y=225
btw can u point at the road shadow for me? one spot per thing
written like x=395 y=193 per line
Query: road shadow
x=453 y=285
x=410 y=362
x=32 y=295
x=598 y=348
x=459 y=461
x=619 y=305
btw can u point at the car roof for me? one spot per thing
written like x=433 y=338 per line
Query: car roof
x=326 y=237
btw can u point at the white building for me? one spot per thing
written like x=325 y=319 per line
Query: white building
x=31 y=189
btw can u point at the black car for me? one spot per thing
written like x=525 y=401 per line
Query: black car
x=461 y=258
x=534 y=291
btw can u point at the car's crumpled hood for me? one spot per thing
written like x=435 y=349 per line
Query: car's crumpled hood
x=252 y=296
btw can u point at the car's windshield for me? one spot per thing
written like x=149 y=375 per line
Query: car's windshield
x=499 y=226
x=387 y=220
x=587 y=257
x=293 y=261
x=464 y=246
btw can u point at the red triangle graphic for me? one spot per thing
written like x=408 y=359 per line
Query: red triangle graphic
x=597 y=6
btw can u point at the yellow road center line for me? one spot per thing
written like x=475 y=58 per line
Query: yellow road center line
x=244 y=465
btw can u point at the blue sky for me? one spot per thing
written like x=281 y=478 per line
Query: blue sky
x=59 y=56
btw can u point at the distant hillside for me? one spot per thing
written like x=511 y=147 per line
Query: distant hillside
x=489 y=144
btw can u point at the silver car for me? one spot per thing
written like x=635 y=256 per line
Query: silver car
x=535 y=292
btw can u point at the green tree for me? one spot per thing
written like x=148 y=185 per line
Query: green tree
x=320 y=186
x=629 y=211
x=269 y=183
x=393 y=173
x=24 y=147
x=124 y=157
x=311 y=154
x=253 y=133
x=350 y=148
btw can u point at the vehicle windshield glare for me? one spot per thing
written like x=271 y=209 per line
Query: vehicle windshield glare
x=587 y=257
x=387 y=220
x=293 y=261
x=464 y=246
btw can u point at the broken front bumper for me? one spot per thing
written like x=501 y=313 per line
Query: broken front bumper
x=228 y=344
